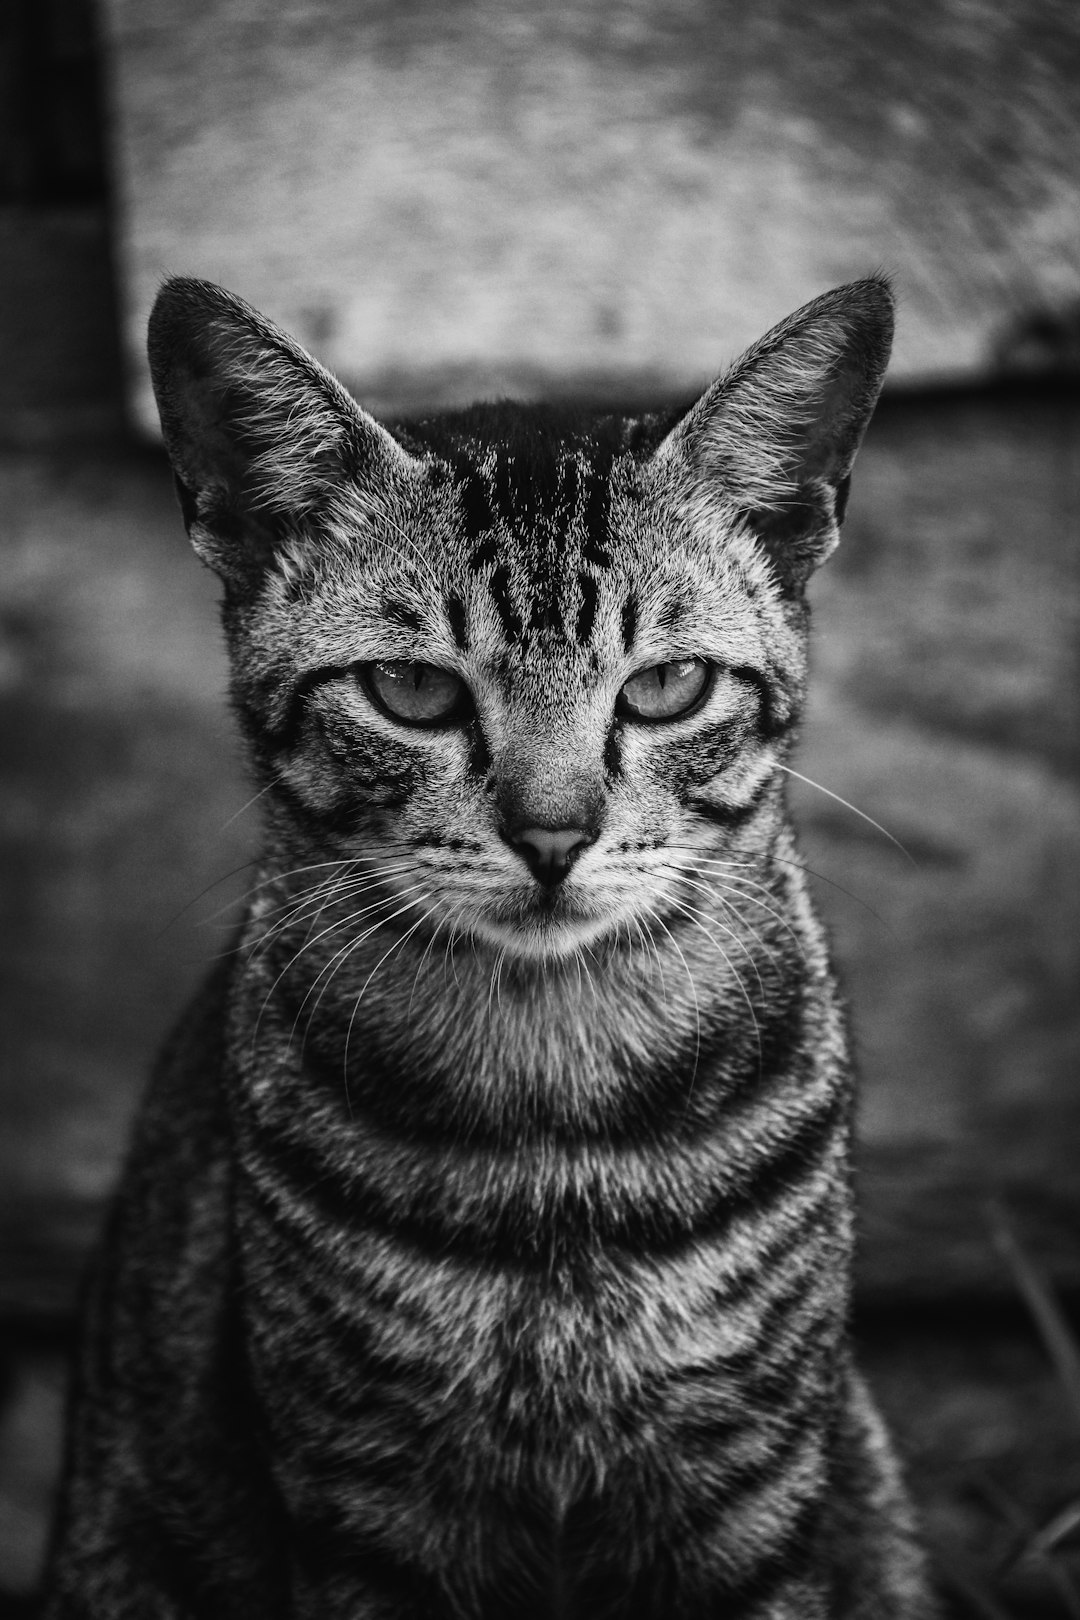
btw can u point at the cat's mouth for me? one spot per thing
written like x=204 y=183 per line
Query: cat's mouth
x=548 y=924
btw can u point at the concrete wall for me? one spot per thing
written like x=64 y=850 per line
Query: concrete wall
x=515 y=195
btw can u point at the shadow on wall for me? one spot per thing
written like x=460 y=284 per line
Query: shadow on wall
x=1040 y=343
x=59 y=334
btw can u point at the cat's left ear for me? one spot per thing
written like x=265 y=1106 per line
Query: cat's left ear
x=260 y=436
x=775 y=437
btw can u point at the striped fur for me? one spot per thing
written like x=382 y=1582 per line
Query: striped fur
x=485 y=1245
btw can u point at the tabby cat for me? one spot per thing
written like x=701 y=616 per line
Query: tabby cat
x=484 y=1249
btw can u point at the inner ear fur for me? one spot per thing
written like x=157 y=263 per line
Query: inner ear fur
x=258 y=433
x=775 y=437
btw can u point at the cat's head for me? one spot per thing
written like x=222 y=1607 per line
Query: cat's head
x=532 y=667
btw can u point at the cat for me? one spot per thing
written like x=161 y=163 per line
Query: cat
x=484 y=1248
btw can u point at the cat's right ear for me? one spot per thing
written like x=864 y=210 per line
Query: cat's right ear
x=260 y=436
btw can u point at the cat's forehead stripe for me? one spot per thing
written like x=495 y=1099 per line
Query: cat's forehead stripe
x=475 y=504
x=485 y=552
x=586 y=617
x=566 y=493
x=399 y=613
x=499 y=586
x=534 y=505
x=629 y=621
x=457 y=619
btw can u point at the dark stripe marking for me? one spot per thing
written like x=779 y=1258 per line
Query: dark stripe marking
x=504 y=491
x=629 y=621
x=613 y=751
x=763 y=1369
x=544 y=613
x=479 y=752
x=457 y=619
x=484 y=554
x=399 y=613
x=732 y=815
x=758 y=1472
x=787 y=1561
x=595 y=518
x=509 y=1234
x=504 y=607
x=287 y=733
x=341 y=819
x=586 y=619
x=475 y=505
x=770 y=724
x=569 y=489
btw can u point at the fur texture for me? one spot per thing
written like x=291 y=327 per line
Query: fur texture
x=485 y=1245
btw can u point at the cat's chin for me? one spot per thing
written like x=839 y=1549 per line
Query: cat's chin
x=540 y=938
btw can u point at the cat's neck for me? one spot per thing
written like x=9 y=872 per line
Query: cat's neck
x=668 y=1021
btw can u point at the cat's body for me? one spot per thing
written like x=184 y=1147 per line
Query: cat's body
x=485 y=1246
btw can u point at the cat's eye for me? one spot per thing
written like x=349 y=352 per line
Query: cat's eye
x=417 y=694
x=664 y=691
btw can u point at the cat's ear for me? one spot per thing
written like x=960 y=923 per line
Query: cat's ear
x=777 y=434
x=260 y=436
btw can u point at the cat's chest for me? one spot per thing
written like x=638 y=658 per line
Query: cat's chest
x=541 y=1305
x=468 y=1390
x=534 y=1292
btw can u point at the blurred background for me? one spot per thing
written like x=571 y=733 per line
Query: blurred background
x=445 y=199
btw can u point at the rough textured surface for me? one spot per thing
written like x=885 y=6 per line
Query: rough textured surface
x=514 y=196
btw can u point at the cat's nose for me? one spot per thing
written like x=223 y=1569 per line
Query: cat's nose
x=549 y=852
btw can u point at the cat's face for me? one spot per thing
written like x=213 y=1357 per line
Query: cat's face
x=532 y=670
x=532 y=734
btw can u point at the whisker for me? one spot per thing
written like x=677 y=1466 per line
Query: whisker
x=693 y=992
x=650 y=945
x=330 y=890
x=496 y=972
x=733 y=911
x=273 y=877
x=695 y=920
x=255 y=797
x=311 y=906
x=214 y=884
x=705 y=923
x=330 y=968
x=314 y=901
x=362 y=868
x=397 y=945
x=578 y=959
x=590 y=978
x=448 y=949
x=425 y=957
x=309 y=944
x=811 y=871
x=716 y=891
x=798 y=866
x=853 y=808
x=425 y=562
